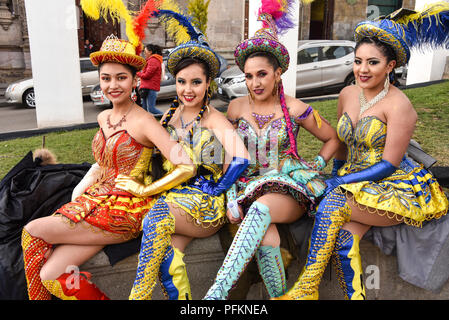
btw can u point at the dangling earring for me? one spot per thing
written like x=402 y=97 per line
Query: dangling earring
x=387 y=82
x=250 y=96
x=134 y=95
x=275 y=91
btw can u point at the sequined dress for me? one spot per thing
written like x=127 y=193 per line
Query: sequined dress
x=411 y=194
x=271 y=170
x=207 y=153
x=104 y=206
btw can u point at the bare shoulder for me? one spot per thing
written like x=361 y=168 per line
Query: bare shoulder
x=295 y=106
x=215 y=118
x=349 y=92
x=400 y=106
x=236 y=106
x=102 y=116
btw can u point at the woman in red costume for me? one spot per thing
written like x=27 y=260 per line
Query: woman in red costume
x=103 y=214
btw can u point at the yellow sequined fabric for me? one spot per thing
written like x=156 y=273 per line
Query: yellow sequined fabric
x=206 y=151
x=411 y=194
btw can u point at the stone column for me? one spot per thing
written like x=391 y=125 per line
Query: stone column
x=55 y=59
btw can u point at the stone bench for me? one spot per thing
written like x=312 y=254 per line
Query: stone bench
x=204 y=257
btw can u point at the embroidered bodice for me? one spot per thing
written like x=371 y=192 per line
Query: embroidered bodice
x=365 y=142
x=119 y=154
x=266 y=150
x=204 y=149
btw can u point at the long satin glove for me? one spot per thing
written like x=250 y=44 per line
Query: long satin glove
x=180 y=174
x=89 y=179
x=375 y=172
x=337 y=164
x=235 y=169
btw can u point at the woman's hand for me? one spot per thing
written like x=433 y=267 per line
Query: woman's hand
x=231 y=217
x=129 y=184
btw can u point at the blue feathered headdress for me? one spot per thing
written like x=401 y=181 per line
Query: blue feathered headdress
x=405 y=29
x=190 y=41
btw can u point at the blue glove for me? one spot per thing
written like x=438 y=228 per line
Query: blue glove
x=235 y=169
x=337 y=165
x=375 y=172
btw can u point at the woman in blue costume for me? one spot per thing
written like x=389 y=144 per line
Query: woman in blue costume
x=195 y=209
x=278 y=186
x=373 y=183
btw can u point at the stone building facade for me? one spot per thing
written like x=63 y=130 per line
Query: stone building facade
x=227 y=26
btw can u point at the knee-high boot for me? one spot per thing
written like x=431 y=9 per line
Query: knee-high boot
x=332 y=213
x=245 y=243
x=34 y=250
x=158 y=226
x=271 y=268
x=348 y=265
x=173 y=275
x=74 y=286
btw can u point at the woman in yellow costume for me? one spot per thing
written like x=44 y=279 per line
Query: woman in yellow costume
x=373 y=183
x=101 y=213
x=196 y=208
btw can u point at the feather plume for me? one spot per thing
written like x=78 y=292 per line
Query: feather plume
x=116 y=10
x=178 y=26
x=281 y=11
x=428 y=27
x=141 y=20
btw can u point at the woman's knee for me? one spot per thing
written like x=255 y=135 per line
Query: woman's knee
x=271 y=237
x=35 y=228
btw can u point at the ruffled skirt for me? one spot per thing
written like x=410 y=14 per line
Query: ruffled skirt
x=117 y=214
x=296 y=179
x=411 y=194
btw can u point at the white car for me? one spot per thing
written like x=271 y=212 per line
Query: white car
x=23 y=91
x=322 y=66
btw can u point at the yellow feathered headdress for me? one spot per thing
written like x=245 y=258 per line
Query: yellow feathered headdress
x=114 y=49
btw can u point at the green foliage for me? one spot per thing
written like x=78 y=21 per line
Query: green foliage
x=198 y=10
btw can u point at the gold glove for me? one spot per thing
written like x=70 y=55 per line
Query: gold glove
x=180 y=174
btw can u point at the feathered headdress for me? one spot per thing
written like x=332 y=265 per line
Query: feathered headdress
x=405 y=29
x=114 y=49
x=276 y=17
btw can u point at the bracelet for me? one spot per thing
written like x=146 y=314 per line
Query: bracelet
x=318 y=163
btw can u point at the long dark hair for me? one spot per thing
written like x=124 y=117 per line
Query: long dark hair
x=280 y=89
x=157 y=162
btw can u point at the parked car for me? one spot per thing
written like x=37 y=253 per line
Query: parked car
x=23 y=91
x=322 y=66
x=168 y=87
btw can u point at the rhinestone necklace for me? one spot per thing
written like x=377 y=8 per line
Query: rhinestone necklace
x=118 y=124
x=365 y=104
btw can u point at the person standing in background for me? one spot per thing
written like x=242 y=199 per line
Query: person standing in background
x=88 y=48
x=150 y=78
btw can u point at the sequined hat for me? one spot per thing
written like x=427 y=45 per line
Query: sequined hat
x=264 y=39
x=114 y=49
x=119 y=51
x=405 y=29
x=190 y=42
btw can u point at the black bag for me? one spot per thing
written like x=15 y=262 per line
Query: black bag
x=27 y=192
